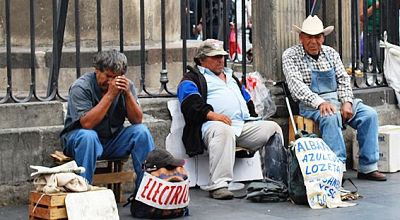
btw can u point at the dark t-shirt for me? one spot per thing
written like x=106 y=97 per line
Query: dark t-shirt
x=84 y=94
x=374 y=19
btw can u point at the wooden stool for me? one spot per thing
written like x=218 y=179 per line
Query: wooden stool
x=302 y=124
x=108 y=173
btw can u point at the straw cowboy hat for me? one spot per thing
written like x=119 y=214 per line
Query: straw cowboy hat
x=313 y=26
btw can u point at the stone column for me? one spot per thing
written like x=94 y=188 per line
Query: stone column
x=272 y=33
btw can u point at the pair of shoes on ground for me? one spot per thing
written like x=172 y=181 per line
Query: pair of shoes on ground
x=221 y=193
x=374 y=175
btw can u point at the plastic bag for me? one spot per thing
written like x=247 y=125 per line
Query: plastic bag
x=265 y=106
x=391 y=67
x=275 y=159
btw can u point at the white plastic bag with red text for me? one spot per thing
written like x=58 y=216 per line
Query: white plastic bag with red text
x=264 y=105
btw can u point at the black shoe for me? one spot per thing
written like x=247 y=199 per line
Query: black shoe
x=374 y=175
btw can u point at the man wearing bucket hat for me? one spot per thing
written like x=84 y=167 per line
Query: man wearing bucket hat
x=218 y=116
x=318 y=81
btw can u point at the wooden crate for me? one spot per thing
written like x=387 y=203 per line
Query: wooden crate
x=51 y=206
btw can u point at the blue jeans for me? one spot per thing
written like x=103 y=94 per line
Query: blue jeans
x=365 y=121
x=85 y=147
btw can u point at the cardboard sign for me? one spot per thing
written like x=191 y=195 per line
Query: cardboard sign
x=162 y=194
x=322 y=172
x=98 y=204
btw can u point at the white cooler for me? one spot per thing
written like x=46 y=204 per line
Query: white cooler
x=389 y=149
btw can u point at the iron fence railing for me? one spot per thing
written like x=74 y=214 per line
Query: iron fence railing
x=378 y=16
x=217 y=19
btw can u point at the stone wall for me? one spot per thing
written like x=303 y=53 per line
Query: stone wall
x=21 y=72
x=20 y=27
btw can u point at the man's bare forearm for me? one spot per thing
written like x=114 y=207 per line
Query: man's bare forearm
x=134 y=113
x=93 y=117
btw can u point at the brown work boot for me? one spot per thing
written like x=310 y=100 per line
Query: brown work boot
x=221 y=193
x=374 y=175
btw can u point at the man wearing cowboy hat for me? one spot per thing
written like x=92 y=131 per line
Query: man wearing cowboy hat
x=217 y=112
x=318 y=81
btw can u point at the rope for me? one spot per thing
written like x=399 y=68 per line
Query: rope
x=37 y=203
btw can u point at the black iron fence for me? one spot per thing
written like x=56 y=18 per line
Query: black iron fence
x=201 y=20
x=220 y=20
x=371 y=21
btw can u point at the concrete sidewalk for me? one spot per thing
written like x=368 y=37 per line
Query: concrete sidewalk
x=381 y=200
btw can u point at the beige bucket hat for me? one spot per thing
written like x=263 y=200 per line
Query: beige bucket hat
x=210 y=48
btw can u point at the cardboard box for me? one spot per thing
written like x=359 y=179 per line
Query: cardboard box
x=389 y=149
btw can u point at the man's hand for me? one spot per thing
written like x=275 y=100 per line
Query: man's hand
x=346 y=111
x=212 y=116
x=326 y=108
x=117 y=85
x=114 y=88
x=134 y=113
x=122 y=83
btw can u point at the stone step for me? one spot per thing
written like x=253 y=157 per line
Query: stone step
x=32 y=114
x=238 y=67
x=37 y=114
x=21 y=147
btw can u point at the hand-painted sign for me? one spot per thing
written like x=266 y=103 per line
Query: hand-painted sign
x=162 y=194
x=322 y=172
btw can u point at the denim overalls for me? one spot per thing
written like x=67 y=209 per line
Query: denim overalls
x=364 y=120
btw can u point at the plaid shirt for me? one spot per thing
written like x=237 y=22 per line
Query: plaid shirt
x=298 y=74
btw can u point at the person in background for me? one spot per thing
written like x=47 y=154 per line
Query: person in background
x=370 y=39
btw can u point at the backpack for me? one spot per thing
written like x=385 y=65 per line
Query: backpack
x=162 y=186
x=296 y=187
